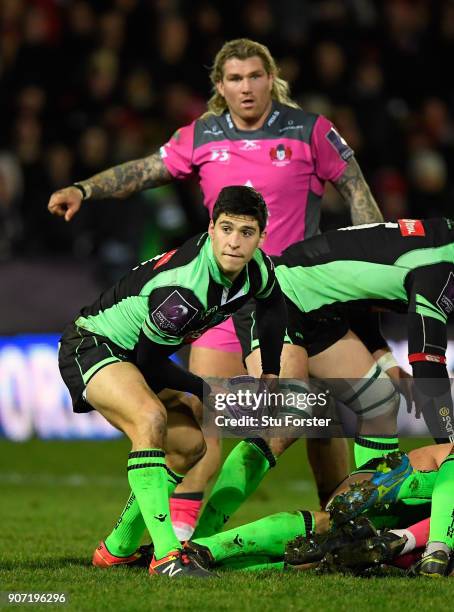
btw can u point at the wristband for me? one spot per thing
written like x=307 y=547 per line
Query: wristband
x=387 y=361
x=82 y=190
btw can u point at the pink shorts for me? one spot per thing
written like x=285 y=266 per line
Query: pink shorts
x=222 y=338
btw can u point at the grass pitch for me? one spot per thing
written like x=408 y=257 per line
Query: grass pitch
x=58 y=499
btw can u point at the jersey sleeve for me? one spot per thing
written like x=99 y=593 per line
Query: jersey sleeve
x=330 y=151
x=177 y=153
x=429 y=292
x=268 y=277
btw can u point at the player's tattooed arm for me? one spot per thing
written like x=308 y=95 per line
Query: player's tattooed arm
x=356 y=192
x=128 y=178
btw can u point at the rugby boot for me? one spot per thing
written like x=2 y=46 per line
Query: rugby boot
x=312 y=548
x=140 y=558
x=383 y=488
x=434 y=565
x=178 y=564
x=358 y=556
x=201 y=553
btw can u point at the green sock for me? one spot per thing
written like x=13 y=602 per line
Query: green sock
x=267 y=536
x=367 y=448
x=442 y=515
x=242 y=472
x=253 y=563
x=148 y=475
x=127 y=534
x=418 y=485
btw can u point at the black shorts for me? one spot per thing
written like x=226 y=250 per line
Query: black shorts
x=81 y=354
x=315 y=331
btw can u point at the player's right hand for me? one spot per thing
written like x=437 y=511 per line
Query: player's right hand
x=65 y=202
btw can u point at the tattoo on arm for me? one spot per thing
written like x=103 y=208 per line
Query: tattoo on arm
x=356 y=192
x=128 y=178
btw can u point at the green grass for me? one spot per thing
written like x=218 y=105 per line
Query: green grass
x=58 y=499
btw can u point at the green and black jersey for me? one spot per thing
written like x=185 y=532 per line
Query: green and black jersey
x=172 y=299
x=378 y=262
x=405 y=266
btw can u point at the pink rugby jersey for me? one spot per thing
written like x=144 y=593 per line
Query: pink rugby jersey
x=287 y=160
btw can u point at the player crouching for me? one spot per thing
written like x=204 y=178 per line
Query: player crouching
x=115 y=358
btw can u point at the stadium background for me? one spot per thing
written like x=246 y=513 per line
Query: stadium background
x=86 y=85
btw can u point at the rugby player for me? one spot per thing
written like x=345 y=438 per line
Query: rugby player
x=115 y=357
x=405 y=266
x=254 y=134
x=420 y=486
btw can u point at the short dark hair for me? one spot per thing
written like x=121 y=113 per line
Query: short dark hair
x=241 y=200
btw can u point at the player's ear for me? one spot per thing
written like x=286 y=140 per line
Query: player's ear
x=271 y=82
x=211 y=228
x=220 y=88
x=262 y=238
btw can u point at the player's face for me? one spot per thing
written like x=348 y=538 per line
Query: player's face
x=246 y=87
x=234 y=240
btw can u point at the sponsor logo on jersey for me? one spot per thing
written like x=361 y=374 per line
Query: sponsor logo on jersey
x=411 y=227
x=281 y=155
x=447 y=422
x=445 y=300
x=250 y=145
x=290 y=126
x=174 y=313
x=164 y=258
x=341 y=146
x=273 y=118
x=228 y=118
x=415 y=357
x=215 y=131
x=220 y=155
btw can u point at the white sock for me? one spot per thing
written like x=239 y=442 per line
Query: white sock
x=411 y=540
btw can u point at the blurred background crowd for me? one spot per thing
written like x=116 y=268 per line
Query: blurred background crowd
x=89 y=84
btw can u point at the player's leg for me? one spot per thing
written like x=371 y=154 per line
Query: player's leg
x=360 y=384
x=216 y=355
x=441 y=535
x=184 y=447
x=267 y=536
x=247 y=464
x=119 y=392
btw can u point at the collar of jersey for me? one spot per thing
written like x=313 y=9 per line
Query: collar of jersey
x=215 y=272
x=274 y=107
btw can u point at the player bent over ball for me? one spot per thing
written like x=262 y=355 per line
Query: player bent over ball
x=413 y=487
x=405 y=266
x=115 y=358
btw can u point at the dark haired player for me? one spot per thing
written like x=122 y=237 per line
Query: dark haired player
x=115 y=357
x=254 y=134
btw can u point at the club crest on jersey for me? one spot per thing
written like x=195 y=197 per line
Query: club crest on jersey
x=250 y=145
x=173 y=314
x=411 y=227
x=281 y=155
